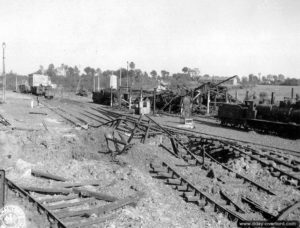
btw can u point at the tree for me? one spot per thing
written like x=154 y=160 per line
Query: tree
x=89 y=71
x=291 y=82
x=138 y=75
x=70 y=72
x=132 y=65
x=244 y=80
x=185 y=70
x=253 y=79
x=281 y=77
x=98 y=72
x=164 y=74
x=146 y=75
x=76 y=71
x=153 y=73
x=51 y=70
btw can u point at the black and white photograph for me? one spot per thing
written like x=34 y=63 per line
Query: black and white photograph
x=149 y=113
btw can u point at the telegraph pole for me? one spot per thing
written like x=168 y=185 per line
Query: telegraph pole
x=94 y=83
x=99 y=72
x=120 y=82
x=127 y=76
x=4 y=75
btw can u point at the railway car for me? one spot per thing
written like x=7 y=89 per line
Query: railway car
x=269 y=118
x=104 y=96
x=24 y=88
x=38 y=90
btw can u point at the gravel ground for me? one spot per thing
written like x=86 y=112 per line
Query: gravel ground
x=82 y=155
x=212 y=127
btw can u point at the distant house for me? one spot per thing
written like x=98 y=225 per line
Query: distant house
x=218 y=79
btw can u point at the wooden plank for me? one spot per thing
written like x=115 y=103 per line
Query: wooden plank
x=2 y=188
x=78 y=184
x=47 y=190
x=39 y=113
x=69 y=204
x=234 y=203
x=103 y=209
x=57 y=199
x=97 y=195
x=39 y=173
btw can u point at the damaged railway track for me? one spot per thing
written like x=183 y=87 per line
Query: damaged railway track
x=69 y=204
x=203 y=153
x=192 y=194
x=279 y=164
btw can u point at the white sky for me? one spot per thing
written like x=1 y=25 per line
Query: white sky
x=224 y=37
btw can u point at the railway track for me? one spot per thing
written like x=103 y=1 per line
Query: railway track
x=221 y=200
x=53 y=219
x=71 y=206
x=237 y=179
x=279 y=164
x=192 y=194
x=89 y=113
x=203 y=152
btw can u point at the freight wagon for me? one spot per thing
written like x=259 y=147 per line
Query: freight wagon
x=282 y=119
x=38 y=83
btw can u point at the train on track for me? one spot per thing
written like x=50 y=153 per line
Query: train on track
x=282 y=119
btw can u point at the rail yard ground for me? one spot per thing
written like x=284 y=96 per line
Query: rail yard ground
x=66 y=137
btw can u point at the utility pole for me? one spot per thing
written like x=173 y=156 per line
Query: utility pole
x=16 y=83
x=127 y=76
x=94 y=83
x=99 y=80
x=120 y=81
x=4 y=75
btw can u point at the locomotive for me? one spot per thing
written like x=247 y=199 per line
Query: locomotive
x=282 y=119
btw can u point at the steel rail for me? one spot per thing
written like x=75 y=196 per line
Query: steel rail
x=170 y=132
x=114 y=113
x=287 y=211
x=251 y=153
x=55 y=220
x=195 y=194
x=275 y=169
x=221 y=138
x=234 y=147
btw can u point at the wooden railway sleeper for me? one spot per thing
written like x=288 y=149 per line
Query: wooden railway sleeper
x=209 y=199
x=233 y=202
x=182 y=188
x=49 y=215
x=282 y=172
x=277 y=160
x=174 y=181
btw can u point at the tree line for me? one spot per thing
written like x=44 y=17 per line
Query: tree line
x=71 y=78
